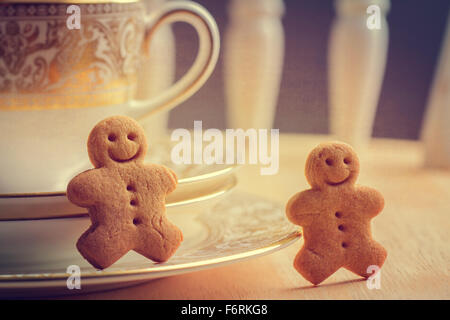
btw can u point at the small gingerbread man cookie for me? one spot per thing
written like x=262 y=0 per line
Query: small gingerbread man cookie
x=125 y=197
x=335 y=215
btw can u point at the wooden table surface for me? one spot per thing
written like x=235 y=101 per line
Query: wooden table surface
x=413 y=227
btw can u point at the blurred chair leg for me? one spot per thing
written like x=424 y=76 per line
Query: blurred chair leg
x=357 y=61
x=254 y=51
x=156 y=73
x=436 y=130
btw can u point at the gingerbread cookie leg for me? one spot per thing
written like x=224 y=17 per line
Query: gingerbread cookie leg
x=368 y=254
x=314 y=267
x=103 y=246
x=160 y=241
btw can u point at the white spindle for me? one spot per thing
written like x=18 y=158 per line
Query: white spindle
x=254 y=50
x=357 y=59
x=436 y=131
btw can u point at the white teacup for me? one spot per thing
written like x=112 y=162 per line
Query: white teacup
x=56 y=83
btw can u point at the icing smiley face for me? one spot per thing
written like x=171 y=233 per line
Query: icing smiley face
x=123 y=147
x=332 y=164
x=116 y=140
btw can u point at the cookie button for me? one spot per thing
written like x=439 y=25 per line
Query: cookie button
x=341 y=227
x=338 y=214
x=133 y=203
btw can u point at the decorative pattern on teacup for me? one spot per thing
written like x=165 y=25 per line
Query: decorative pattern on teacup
x=44 y=65
x=60 y=10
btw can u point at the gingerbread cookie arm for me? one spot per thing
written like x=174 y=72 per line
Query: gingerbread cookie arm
x=370 y=201
x=302 y=208
x=171 y=178
x=168 y=178
x=81 y=189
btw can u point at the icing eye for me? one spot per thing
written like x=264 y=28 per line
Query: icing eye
x=112 y=137
x=347 y=160
x=131 y=136
x=329 y=161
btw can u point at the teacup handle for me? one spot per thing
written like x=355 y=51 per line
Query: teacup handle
x=201 y=69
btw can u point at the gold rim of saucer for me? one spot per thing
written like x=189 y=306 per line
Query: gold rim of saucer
x=68 y=1
x=204 y=176
x=163 y=268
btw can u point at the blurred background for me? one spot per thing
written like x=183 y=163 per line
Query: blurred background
x=416 y=30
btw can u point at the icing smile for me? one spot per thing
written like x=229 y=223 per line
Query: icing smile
x=119 y=159
x=338 y=183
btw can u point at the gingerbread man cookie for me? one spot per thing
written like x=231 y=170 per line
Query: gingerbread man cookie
x=335 y=215
x=125 y=197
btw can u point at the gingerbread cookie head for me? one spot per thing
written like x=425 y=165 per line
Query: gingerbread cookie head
x=116 y=140
x=332 y=164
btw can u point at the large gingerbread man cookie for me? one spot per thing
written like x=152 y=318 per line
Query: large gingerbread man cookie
x=125 y=197
x=335 y=215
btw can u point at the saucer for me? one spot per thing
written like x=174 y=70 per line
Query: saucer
x=241 y=227
x=42 y=241
x=56 y=205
